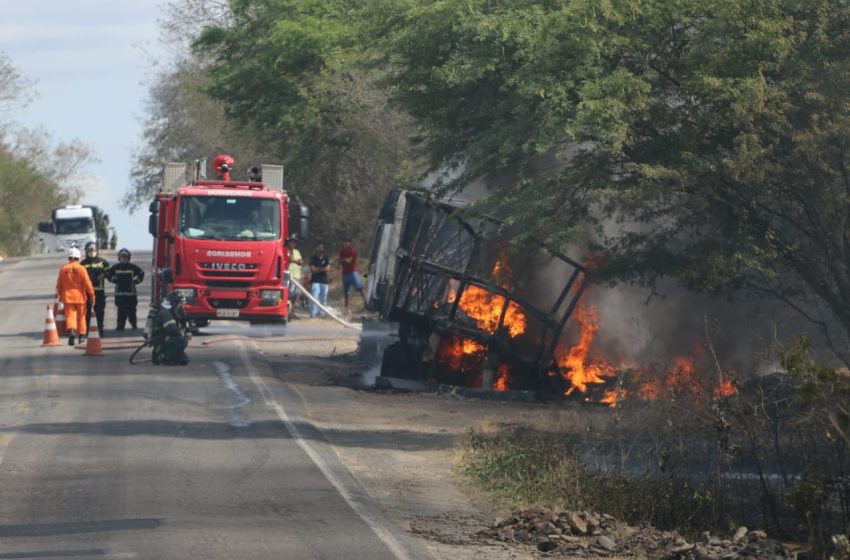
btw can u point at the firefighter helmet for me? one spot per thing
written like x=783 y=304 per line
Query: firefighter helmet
x=124 y=253
x=74 y=253
x=176 y=298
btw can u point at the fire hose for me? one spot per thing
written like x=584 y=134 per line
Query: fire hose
x=147 y=342
x=344 y=323
x=330 y=313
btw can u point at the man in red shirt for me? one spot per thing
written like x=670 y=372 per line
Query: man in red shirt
x=350 y=276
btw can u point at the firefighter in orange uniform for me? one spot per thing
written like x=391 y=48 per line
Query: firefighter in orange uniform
x=73 y=286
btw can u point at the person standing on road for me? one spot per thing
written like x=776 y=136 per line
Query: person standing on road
x=97 y=268
x=73 y=288
x=320 y=265
x=295 y=264
x=350 y=276
x=126 y=276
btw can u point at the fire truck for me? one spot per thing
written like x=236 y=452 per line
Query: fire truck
x=222 y=243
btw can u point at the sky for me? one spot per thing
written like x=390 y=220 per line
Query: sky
x=91 y=61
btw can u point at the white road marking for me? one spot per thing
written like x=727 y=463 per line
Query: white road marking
x=374 y=523
x=237 y=419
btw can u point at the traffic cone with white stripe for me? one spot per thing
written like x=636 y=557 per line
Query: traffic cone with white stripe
x=61 y=323
x=51 y=335
x=93 y=346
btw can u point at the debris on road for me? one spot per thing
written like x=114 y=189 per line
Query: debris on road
x=586 y=534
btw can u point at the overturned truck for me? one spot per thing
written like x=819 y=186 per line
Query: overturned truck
x=464 y=308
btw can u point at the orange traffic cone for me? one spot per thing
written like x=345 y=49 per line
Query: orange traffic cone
x=93 y=346
x=61 y=323
x=51 y=335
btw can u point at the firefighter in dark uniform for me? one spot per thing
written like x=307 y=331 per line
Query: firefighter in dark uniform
x=125 y=275
x=97 y=269
x=170 y=333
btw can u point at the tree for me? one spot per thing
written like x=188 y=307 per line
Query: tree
x=36 y=174
x=26 y=197
x=185 y=124
x=280 y=81
x=16 y=90
x=712 y=136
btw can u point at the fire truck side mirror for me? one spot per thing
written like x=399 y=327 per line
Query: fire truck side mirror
x=45 y=227
x=299 y=221
x=153 y=225
x=153 y=219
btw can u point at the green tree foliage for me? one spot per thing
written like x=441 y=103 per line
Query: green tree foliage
x=184 y=124
x=35 y=176
x=26 y=197
x=271 y=81
x=706 y=140
x=290 y=70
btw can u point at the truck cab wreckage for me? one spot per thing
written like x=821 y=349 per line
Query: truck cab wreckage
x=464 y=310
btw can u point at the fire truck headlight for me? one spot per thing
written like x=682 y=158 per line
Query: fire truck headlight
x=188 y=293
x=270 y=297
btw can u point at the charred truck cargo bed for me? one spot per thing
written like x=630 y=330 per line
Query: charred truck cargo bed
x=470 y=311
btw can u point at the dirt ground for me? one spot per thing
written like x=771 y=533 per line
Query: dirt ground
x=401 y=446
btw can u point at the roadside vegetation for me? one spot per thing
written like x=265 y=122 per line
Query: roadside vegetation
x=774 y=456
x=35 y=175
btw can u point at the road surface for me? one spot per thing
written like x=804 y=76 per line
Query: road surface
x=103 y=459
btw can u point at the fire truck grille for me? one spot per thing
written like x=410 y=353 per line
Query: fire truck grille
x=228 y=303
x=226 y=274
x=228 y=284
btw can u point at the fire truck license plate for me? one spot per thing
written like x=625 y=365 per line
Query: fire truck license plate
x=230 y=313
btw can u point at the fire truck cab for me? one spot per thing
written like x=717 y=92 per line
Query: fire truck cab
x=222 y=243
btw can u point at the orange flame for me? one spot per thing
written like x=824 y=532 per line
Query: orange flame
x=486 y=308
x=585 y=370
x=725 y=388
x=453 y=349
x=502 y=376
x=577 y=367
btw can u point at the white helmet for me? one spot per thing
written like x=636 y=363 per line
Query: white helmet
x=74 y=253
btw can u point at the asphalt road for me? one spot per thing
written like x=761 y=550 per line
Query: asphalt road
x=103 y=459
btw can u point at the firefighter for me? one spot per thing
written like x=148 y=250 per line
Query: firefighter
x=170 y=333
x=97 y=268
x=73 y=288
x=126 y=276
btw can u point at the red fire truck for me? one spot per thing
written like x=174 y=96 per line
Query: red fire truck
x=222 y=243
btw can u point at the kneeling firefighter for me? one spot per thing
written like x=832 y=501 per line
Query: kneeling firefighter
x=170 y=333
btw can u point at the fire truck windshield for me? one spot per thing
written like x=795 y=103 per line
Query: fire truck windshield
x=74 y=225
x=230 y=218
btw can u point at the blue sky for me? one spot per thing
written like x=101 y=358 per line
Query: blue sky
x=91 y=61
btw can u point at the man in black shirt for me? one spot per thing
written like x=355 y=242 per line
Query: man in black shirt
x=320 y=265
x=97 y=269
x=125 y=275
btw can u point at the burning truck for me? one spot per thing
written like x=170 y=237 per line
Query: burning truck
x=465 y=310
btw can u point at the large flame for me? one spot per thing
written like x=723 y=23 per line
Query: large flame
x=576 y=365
x=589 y=373
x=485 y=308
